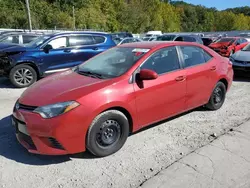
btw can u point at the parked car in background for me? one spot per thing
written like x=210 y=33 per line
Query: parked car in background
x=121 y=35
x=245 y=35
x=180 y=37
x=149 y=38
x=227 y=46
x=208 y=40
x=151 y=35
x=98 y=103
x=24 y=64
x=241 y=61
x=129 y=40
x=19 y=38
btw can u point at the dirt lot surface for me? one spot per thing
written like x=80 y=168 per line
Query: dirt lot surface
x=142 y=157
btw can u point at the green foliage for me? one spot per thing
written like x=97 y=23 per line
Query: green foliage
x=122 y=15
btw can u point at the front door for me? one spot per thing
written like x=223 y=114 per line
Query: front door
x=56 y=59
x=165 y=96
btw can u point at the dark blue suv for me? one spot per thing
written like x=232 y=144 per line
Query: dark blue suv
x=49 y=54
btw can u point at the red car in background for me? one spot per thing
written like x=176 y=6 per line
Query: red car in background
x=227 y=46
x=97 y=104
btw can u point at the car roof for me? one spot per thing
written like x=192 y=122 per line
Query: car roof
x=78 y=32
x=156 y=44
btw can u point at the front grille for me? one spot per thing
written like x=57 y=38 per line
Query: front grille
x=26 y=107
x=27 y=139
x=55 y=144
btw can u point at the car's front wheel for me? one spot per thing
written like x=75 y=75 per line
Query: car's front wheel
x=22 y=76
x=217 y=97
x=107 y=133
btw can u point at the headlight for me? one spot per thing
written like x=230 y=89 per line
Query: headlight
x=54 y=110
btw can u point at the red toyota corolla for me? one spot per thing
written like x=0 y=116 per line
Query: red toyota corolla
x=96 y=105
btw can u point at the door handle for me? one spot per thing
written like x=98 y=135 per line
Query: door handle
x=96 y=48
x=213 y=68
x=67 y=50
x=180 y=78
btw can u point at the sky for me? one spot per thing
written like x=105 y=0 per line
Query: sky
x=220 y=4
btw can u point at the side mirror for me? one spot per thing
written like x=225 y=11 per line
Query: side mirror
x=146 y=74
x=47 y=48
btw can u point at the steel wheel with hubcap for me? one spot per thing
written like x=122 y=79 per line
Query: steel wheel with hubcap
x=23 y=76
x=107 y=133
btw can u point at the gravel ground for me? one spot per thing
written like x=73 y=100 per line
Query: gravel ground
x=143 y=156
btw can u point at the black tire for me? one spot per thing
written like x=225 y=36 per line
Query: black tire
x=217 y=97
x=28 y=77
x=97 y=141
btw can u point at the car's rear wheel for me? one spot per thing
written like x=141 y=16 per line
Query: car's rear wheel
x=218 y=97
x=22 y=76
x=107 y=133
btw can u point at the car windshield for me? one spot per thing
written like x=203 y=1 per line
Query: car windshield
x=165 y=38
x=246 y=48
x=38 y=41
x=112 y=63
x=225 y=40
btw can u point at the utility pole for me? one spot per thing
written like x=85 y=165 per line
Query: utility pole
x=28 y=13
x=74 y=19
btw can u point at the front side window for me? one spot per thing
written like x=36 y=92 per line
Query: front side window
x=114 y=62
x=163 y=61
x=194 y=55
x=81 y=40
x=58 y=43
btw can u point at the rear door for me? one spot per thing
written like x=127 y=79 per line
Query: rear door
x=201 y=73
x=165 y=96
x=83 y=47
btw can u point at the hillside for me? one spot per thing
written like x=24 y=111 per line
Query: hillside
x=122 y=15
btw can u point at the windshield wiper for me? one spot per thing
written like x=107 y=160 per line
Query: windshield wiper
x=90 y=73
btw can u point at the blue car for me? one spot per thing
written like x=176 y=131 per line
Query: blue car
x=24 y=64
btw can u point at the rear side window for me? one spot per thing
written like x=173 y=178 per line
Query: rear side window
x=194 y=55
x=28 y=38
x=80 y=40
x=99 y=39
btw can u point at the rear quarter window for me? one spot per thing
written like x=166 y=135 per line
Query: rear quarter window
x=99 y=39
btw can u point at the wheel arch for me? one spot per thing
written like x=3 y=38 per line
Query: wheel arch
x=126 y=113
x=224 y=81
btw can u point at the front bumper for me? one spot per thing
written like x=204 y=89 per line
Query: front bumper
x=61 y=135
x=240 y=67
x=5 y=65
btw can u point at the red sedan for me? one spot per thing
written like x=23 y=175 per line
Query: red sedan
x=227 y=46
x=96 y=105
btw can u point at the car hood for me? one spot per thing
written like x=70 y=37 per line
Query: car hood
x=7 y=47
x=61 y=87
x=242 y=56
x=219 y=44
